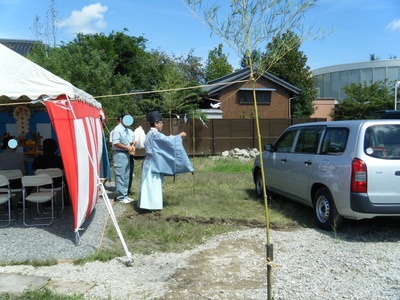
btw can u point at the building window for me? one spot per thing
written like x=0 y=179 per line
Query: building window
x=366 y=76
x=246 y=97
x=379 y=74
x=327 y=85
x=393 y=74
x=320 y=84
x=355 y=76
x=344 y=81
x=335 y=85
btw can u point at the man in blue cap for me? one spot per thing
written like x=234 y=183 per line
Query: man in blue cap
x=122 y=145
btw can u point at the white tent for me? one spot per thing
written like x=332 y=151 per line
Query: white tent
x=21 y=78
x=76 y=118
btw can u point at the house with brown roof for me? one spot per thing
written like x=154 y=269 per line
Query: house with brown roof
x=231 y=96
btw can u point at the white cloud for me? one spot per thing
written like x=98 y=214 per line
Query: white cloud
x=89 y=20
x=394 y=25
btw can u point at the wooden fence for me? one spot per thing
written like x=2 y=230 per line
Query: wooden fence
x=218 y=135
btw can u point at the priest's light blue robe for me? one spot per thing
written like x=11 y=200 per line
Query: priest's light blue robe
x=165 y=155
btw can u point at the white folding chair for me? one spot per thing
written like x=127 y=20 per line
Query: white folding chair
x=5 y=198
x=35 y=182
x=14 y=177
x=58 y=182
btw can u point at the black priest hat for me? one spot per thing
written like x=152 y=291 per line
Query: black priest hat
x=154 y=116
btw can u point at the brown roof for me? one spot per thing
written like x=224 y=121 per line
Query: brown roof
x=245 y=74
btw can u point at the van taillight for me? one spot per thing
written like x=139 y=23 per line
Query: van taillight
x=358 y=176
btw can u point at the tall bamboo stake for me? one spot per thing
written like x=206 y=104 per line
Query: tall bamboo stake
x=269 y=246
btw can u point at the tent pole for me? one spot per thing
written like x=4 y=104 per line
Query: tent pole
x=77 y=238
x=113 y=218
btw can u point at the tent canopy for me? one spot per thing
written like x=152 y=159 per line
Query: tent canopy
x=75 y=116
x=20 y=78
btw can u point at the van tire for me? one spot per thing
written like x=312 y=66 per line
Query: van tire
x=259 y=184
x=325 y=212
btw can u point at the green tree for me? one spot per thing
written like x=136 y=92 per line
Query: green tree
x=191 y=68
x=293 y=68
x=217 y=64
x=362 y=100
x=87 y=67
x=175 y=99
x=79 y=63
x=114 y=64
x=255 y=55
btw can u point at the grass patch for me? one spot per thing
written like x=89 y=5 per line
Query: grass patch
x=35 y=263
x=219 y=197
x=104 y=256
x=227 y=165
x=42 y=294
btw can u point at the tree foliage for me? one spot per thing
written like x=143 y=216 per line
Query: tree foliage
x=217 y=64
x=362 y=100
x=119 y=71
x=176 y=100
x=255 y=56
x=191 y=68
x=293 y=68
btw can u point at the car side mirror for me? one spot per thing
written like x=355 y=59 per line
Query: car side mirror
x=268 y=147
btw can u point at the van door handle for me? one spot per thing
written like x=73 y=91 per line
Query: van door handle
x=284 y=160
x=308 y=162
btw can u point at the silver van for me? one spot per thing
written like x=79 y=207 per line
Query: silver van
x=342 y=169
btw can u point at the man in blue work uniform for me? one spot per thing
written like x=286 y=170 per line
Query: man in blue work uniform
x=122 y=145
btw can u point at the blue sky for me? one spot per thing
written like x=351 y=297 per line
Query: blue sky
x=361 y=27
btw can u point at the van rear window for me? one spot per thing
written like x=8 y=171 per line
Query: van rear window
x=382 y=141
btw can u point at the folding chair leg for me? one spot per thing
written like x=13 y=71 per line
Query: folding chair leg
x=63 y=191
x=7 y=221
x=51 y=218
x=44 y=212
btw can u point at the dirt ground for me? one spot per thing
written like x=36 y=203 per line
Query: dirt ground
x=231 y=269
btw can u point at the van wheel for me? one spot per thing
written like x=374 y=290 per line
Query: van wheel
x=259 y=184
x=325 y=212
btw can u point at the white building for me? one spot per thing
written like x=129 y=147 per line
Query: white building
x=331 y=80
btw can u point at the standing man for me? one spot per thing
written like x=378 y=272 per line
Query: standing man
x=122 y=145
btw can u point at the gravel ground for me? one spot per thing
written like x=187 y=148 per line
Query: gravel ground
x=361 y=262
x=57 y=241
